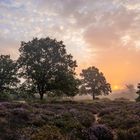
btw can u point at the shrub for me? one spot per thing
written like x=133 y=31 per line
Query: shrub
x=9 y=135
x=25 y=133
x=47 y=133
x=130 y=121
x=99 y=132
x=106 y=111
x=5 y=96
x=19 y=117
x=84 y=117
x=132 y=133
x=38 y=121
x=66 y=122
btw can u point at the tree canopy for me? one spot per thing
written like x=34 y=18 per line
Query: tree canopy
x=8 y=73
x=45 y=63
x=94 y=82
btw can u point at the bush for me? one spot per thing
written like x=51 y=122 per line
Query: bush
x=106 y=111
x=66 y=122
x=47 y=133
x=84 y=117
x=23 y=95
x=99 y=132
x=132 y=133
x=9 y=135
x=19 y=117
x=5 y=96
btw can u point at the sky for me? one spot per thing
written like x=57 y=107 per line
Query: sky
x=100 y=33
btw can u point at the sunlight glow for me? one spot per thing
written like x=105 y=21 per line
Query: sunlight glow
x=116 y=87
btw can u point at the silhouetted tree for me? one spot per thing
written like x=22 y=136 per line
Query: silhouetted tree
x=25 y=91
x=47 y=65
x=8 y=71
x=130 y=88
x=94 y=82
x=138 y=92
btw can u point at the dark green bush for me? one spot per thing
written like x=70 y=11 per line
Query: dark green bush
x=5 y=96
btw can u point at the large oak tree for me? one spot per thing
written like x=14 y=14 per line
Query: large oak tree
x=94 y=82
x=45 y=63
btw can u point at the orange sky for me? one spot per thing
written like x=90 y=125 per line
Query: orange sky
x=101 y=33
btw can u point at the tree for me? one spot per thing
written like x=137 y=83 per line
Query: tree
x=130 y=88
x=45 y=63
x=138 y=92
x=8 y=73
x=24 y=91
x=94 y=82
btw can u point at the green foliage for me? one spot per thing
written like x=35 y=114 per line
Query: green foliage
x=24 y=91
x=45 y=64
x=4 y=96
x=8 y=73
x=94 y=82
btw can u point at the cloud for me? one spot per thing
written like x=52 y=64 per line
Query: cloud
x=114 y=37
x=9 y=47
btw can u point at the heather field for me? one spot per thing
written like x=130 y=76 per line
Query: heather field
x=70 y=120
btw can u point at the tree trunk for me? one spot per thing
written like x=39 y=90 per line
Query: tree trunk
x=41 y=95
x=41 y=91
x=93 y=96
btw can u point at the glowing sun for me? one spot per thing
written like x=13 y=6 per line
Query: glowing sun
x=115 y=87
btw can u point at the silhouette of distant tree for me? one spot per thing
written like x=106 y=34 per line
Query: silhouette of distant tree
x=8 y=71
x=94 y=82
x=45 y=63
x=138 y=92
x=130 y=88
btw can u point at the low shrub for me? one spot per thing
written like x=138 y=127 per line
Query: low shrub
x=66 y=122
x=84 y=117
x=47 y=133
x=18 y=117
x=98 y=132
x=5 y=96
x=132 y=134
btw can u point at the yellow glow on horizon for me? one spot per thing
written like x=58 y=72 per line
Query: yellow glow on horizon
x=116 y=87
